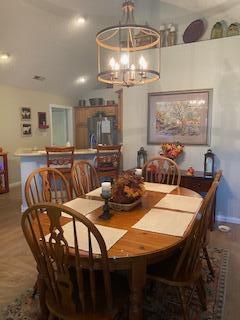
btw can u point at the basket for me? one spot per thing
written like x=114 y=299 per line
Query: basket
x=124 y=206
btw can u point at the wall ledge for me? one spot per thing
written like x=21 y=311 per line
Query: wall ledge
x=222 y=218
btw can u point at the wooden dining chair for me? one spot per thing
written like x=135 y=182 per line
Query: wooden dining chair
x=60 y=158
x=183 y=271
x=217 y=178
x=84 y=177
x=71 y=288
x=107 y=162
x=162 y=170
x=207 y=221
x=46 y=185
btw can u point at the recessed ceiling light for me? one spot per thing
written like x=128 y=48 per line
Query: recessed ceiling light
x=80 y=20
x=4 y=57
x=81 y=80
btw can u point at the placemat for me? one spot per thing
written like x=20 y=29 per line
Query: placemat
x=168 y=222
x=84 y=206
x=183 y=203
x=95 y=193
x=110 y=236
x=159 y=187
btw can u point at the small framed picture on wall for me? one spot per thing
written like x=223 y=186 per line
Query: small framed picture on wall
x=26 y=129
x=26 y=114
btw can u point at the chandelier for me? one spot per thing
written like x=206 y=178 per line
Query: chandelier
x=128 y=53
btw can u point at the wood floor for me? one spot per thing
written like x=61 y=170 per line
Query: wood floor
x=17 y=267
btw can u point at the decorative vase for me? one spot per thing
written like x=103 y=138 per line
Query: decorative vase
x=124 y=206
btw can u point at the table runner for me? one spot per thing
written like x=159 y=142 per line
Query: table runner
x=168 y=222
x=84 y=206
x=183 y=203
x=159 y=187
x=110 y=236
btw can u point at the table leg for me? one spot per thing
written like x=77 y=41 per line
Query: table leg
x=137 y=284
x=42 y=298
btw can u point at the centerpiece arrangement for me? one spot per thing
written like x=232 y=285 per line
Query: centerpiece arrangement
x=127 y=192
x=172 y=150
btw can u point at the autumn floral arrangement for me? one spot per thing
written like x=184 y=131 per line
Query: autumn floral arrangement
x=128 y=188
x=172 y=150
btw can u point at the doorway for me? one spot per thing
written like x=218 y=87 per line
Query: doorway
x=61 y=119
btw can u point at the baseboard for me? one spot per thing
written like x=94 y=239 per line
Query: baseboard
x=14 y=184
x=228 y=219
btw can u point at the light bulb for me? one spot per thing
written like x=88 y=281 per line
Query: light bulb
x=142 y=63
x=112 y=63
x=124 y=59
x=117 y=66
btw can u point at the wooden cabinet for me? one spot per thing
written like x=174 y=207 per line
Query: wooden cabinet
x=4 y=184
x=81 y=117
x=197 y=183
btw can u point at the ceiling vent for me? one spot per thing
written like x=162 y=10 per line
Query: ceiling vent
x=39 y=78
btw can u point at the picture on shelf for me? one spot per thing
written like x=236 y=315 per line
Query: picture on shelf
x=25 y=114
x=26 y=129
x=179 y=116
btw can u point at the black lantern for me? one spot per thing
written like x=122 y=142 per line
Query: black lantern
x=141 y=157
x=209 y=164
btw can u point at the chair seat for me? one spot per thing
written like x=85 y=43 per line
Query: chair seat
x=120 y=291
x=163 y=272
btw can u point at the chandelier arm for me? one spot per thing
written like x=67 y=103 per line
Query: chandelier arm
x=131 y=37
x=110 y=36
x=148 y=32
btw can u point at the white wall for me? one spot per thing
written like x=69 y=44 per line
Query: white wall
x=11 y=100
x=209 y=64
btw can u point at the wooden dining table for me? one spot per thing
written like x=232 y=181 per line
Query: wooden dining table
x=137 y=248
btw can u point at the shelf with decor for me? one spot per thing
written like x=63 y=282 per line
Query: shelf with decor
x=4 y=184
x=98 y=106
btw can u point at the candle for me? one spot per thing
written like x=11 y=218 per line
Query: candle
x=116 y=68
x=132 y=72
x=106 y=189
x=138 y=172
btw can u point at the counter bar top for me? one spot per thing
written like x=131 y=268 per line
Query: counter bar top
x=31 y=152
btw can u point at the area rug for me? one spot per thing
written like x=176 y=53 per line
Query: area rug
x=26 y=308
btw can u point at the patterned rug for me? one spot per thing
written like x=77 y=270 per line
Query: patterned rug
x=26 y=308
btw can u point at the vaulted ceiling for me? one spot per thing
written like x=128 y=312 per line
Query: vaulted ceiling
x=43 y=39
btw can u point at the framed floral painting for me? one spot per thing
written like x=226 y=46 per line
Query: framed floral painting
x=183 y=116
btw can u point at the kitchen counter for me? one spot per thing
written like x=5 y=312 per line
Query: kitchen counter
x=32 y=152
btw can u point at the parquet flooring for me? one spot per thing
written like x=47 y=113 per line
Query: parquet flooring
x=17 y=267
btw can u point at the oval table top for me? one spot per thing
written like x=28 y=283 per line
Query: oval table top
x=138 y=242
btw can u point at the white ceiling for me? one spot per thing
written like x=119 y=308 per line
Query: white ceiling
x=42 y=39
